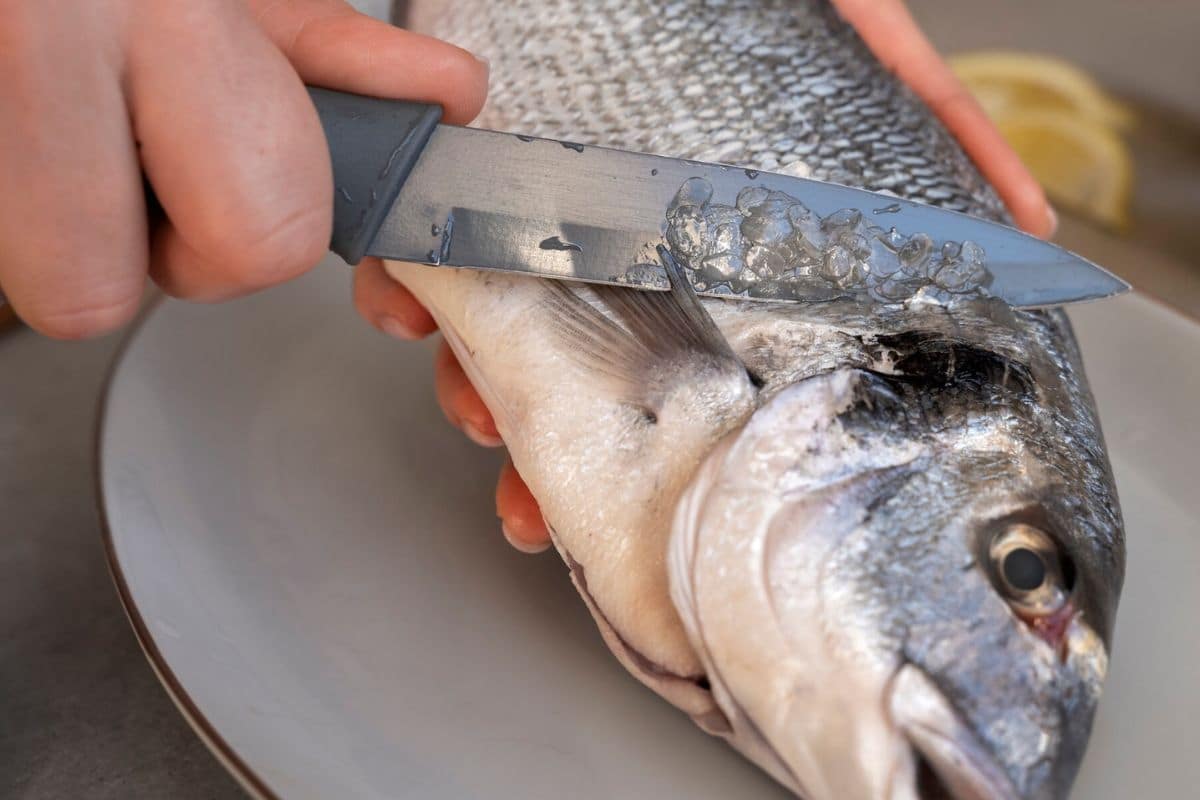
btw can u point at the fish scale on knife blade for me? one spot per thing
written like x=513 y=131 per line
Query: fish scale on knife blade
x=880 y=554
x=558 y=209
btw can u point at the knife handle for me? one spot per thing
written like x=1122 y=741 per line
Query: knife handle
x=374 y=144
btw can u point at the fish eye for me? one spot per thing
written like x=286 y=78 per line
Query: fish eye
x=1024 y=569
x=1028 y=570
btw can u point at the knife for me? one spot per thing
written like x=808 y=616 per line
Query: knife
x=411 y=189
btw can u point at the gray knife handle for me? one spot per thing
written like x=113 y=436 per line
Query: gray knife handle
x=374 y=144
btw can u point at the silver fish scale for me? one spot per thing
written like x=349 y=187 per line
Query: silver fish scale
x=770 y=84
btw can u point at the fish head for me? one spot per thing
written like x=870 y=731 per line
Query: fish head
x=903 y=585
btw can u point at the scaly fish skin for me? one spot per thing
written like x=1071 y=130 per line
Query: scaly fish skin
x=797 y=529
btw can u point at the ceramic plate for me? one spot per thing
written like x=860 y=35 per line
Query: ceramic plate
x=311 y=560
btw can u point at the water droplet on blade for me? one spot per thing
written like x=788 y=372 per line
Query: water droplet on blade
x=555 y=243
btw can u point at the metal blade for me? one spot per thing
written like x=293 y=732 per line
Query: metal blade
x=491 y=200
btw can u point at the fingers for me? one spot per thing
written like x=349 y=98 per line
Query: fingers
x=999 y=163
x=72 y=231
x=391 y=308
x=332 y=45
x=460 y=402
x=216 y=103
x=233 y=148
x=892 y=34
x=520 y=518
x=387 y=305
x=225 y=133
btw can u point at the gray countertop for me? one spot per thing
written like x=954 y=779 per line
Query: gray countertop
x=81 y=713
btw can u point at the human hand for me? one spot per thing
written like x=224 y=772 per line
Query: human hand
x=894 y=37
x=207 y=99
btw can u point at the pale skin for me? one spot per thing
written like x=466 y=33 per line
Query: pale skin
x=206 y=99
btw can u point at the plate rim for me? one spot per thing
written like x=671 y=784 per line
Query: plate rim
x=249 y=780
x=226 y=756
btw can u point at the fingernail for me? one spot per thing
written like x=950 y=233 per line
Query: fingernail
x=1052 y=215
x=475 y=433
x=524 y=547
x=394 y=327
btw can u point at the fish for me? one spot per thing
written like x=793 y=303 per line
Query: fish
x=878 y=550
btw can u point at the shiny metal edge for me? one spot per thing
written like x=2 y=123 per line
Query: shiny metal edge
x=596 y=214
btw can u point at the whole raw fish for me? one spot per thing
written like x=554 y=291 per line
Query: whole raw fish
x=879 y=552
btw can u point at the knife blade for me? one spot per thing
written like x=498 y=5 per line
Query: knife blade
x=411 y=189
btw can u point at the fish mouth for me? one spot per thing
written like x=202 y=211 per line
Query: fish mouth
x=952 y=764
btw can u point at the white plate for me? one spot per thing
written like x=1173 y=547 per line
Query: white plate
x=310 y=557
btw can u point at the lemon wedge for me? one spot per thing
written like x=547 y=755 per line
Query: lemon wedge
x=1084 y=166
x=1063 y=126
x=1005 y=81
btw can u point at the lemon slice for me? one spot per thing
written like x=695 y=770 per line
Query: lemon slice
x=1006 y=81
x=1083 y=165
x=1062 y=125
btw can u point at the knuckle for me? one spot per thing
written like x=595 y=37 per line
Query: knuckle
x=83 y=317
x=460 y=82
x=256 y=255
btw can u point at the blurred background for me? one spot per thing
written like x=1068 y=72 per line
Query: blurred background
x=1111 y=123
